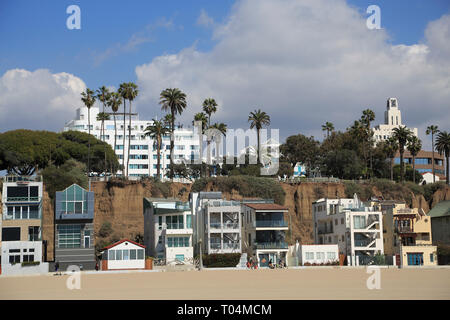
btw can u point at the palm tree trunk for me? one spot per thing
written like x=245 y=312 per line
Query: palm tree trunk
x=115 y=133
x=402 y=165
x=257 y=133
x=432 y=148
x=158 y=160
x=414 y=169
x=447 y=169
x=89 y=141
x=129 y=138
x=124 y=134
x=392 y=169
x=172 y=145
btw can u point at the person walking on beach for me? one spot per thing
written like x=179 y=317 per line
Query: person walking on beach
x=56 y=267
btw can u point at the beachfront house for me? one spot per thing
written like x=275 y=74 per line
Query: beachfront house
x=123 y=255
x=168 y=230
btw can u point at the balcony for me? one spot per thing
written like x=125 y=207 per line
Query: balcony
x=225 y=226
x=63 y=215
x=24 y=179
x=175 y=225
x=405 y=229
x=23 y=199
x=324 y=231
x=271 y=245
x=270 y=224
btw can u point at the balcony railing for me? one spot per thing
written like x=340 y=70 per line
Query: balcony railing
x=270 y=223
x=324 y=231
x=218 y=225
x=23 y=199
x=404 y=229
x=175 y=225
x=271 y=245
x=215 y=225
x=12 y=178
x=230 y=245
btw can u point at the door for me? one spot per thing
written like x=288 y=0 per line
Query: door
x=415 y=259
x=87 y=241
x=263 y=260
x=179 y=257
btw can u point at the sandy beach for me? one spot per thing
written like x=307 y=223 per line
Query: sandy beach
x=291 y=284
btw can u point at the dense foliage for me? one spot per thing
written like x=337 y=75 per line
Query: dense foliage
x=223 y=260
x=24 y=152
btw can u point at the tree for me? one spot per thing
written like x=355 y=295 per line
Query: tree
x=391 y=147
x=432 y=130
x=299 y=148
x=401 y=134
x=59 y=178
x=114 y=102
x=200 y=116
x=257 y=120
x=443 y=147
x=408 y=173
x=122 y=92
x=103 y=116
x=343 y=164
x=128 y=92
x=209 y=107
x=414 y=146
x=103 y=95
x=172 y=100
x=88 y=99
x=367 y=117
x=156 y=131
x=328 y=127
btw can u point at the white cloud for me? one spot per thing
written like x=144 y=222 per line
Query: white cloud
x=304 y=63
x=38 y=99
x=204 y=19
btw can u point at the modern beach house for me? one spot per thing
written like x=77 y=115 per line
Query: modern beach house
x=21 y=244
x=264 y=231
x=356 y=229
x=74 y=228
x=168 y=230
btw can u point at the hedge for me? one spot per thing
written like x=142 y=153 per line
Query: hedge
x=221 y=260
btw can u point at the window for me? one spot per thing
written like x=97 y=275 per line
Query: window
x=189 y=221
x=112 y=255
x=33 y=233
x=126 y=254
x=69 y=236
x=118 y=254
x=11 y=234
x=331 y=255
x=159 y=222
x=132 y=254
x=320 y=255
x=342 y=220
x=140 y=254
x=74 y=200
x=309 y=255
x=178 y=242
x=14 y=258
x=28 y=257
x=359 y=222
x=431 y=257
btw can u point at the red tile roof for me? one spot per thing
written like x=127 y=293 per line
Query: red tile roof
x=122 y=241
x=265 y=206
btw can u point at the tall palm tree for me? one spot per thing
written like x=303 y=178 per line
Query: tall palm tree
x=172 y=100
x=390 y=148
x=88 y=99
x=328 y=127
x=103 y=116
x=114 y=103
x=156 y=131
x=128 y=92
x=257 y=120
x=121 y=92
x=209 y=107
x=432 y=130
x=103 y=95
x=200 y=116
x=443 y=147
x=401 y=134
x=414 y=146
x=367 y=117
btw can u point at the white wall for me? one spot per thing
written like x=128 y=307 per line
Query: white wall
x=126 y=264
x=17 y=269
x=323 y=249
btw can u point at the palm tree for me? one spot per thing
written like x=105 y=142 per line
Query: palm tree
x=103 y=95
x=401 y=134
x=121 y=92
x=443 y=147
x=433 y=130
x=156 y=131
x=128 y=92
x=114 y=103
x=200 y=116
x=391 y=147
x=103 y=116
x=367 y=117
x=328 y=127
x=258 y=119
x=172 y=100
x=209 y=107
x=88 y=99
x=414 y=146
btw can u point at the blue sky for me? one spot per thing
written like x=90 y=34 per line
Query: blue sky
x=316 y=55
x=34 y=33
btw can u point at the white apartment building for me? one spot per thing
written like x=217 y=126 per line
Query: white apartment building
x=355 y=228
x=392 y=119
x=217 y=223
x=168 y=230
x=143 y=155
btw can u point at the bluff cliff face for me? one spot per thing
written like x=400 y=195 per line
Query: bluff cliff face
x=122 y=206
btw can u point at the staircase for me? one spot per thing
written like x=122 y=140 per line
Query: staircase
x=242 y=262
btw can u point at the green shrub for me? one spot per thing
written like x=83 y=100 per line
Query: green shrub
x=105 y=229
x=222 y=260
x=247 y=186
x=161 y=188
x=30 y=263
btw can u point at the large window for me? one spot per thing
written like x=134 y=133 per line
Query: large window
x=309 y=255
x=125 y=254
x=178 y=242
x=74 y=200
x=175 y=222
x=33 y=233
x=359 y=222
x=22 y=212
x=69 y=236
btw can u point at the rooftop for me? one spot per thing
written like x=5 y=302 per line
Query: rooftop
x=442 y=209
x=266 y=206
x=122 y=241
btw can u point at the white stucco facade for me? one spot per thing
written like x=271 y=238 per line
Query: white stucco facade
x=125 y=255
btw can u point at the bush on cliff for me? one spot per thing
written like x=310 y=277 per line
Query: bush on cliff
x=222 y=260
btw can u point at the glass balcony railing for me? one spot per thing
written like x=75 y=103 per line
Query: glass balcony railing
x=271 y=245
x=215 y=225
x=405 y=229
x=229 y=225
x=362 y=243
x=175 y=226
x=231 y=245
x=23 y=199
x=270 y=223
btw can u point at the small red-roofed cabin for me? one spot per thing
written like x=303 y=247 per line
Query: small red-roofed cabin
x=123 y=255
